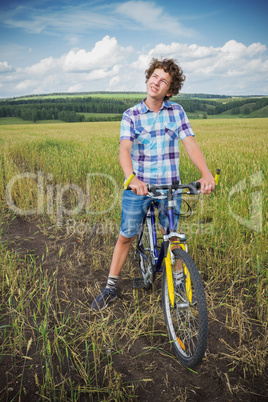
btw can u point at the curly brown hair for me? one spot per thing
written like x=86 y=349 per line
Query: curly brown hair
x=170 y=67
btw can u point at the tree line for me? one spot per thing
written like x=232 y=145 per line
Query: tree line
x=235 y=106
x=71 y=109
x=65 y=109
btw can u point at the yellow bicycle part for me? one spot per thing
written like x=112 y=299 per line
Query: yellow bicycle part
x=170 y=277
x=188 y=283
x=217 y=176
x=188 y=286
x=180 y=343
x=127 y=181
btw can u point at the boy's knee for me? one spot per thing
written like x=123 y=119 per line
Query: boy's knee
x=125 y=240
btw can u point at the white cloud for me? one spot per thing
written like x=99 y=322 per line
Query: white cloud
x=235 y=50
x=44 y=66
x=114 y=82
x=79 y=69
x=216 y=69
x=105 y=54
x=256 y=48
x=150 y=16
x=85 y=17
x=101 y=74
x=231 y=69
x=5 y=67
x=26 y=85
x=75 y=88
x=76 y=18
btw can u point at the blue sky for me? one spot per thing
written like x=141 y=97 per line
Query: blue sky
x=61 y=46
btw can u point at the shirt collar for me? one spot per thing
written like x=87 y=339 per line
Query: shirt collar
x=166 y=104
x=145 y=109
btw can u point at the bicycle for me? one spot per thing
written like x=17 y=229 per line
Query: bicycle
x=185 y=311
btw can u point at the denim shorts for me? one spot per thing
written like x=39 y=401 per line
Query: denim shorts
x=134 y=208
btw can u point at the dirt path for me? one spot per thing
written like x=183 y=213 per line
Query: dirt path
x=146 y=366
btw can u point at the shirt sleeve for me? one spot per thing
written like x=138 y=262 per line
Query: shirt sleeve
x=185 y=129
x=127 y=128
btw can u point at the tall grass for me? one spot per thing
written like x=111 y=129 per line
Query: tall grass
x=52 y=336
x=223 y=246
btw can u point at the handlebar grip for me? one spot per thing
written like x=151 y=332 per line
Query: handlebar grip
x=217 y=176
x=127 y=181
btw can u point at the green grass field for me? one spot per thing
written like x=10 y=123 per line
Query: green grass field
x=106 y=95
x=72 y=172
x=69 y=152
x=263 y=112
x=15 y=120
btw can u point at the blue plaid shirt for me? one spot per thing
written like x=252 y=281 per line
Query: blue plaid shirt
x=155 y=151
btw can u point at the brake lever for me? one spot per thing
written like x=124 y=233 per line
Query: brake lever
x=194 y=187
x=154 y=193
x=151 y=191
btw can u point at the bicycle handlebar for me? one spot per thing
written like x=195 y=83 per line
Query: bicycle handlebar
x=193 y=187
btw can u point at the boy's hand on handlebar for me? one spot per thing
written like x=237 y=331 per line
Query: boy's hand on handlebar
x=207 y=184
x=138 y=187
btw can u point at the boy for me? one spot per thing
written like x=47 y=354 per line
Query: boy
x=149 y=146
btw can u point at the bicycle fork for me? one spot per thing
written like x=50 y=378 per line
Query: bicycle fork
x=170 y=260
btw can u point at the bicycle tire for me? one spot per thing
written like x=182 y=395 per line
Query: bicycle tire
x=146 y=256
x=187 y=323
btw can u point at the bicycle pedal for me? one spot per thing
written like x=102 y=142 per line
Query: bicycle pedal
x=137 y=283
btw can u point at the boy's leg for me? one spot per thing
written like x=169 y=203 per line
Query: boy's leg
x=133 y=209
x=120 y=254
x=178 y=265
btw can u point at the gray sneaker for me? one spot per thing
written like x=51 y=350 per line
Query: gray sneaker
x=103 y=299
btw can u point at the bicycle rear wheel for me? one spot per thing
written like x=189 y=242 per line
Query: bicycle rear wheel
x=187 y=321
x=146 y=256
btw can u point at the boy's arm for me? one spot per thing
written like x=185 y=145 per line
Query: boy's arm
x=138 y=187
x=207 y=180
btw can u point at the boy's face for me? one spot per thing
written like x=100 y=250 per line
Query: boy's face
x=158 y=84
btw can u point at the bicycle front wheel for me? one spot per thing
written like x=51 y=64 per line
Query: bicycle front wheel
x=186 y=321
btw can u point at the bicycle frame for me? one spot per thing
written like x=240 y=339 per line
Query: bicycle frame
x=184 y=307
x=165 y=250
